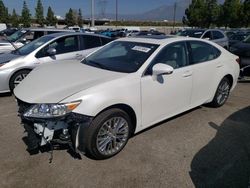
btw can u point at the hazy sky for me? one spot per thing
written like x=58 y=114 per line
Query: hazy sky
x=62 y=6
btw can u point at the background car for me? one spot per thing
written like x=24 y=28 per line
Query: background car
x=15 y=66
x=24 y=36
x=214 y=35
x=242 y=49
x=124 y=87
x=8 y=32
x=237 y=37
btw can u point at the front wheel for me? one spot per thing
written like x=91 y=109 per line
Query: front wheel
x=17 y=78
x=108 y=134
x=222 y=93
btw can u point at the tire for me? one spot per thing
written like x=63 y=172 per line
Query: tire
x=222 y=93
x=103 y=141
x=17 y=78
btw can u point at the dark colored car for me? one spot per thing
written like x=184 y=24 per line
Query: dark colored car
x=150 y=33
x=8 y=31
x=242 y=49
x=237 y=37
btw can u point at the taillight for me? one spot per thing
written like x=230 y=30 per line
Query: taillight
x=238 y=60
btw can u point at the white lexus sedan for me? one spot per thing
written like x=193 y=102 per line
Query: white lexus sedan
x=126 y=86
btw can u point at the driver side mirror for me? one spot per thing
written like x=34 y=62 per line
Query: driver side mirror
x=51 y=51
x=162 y=69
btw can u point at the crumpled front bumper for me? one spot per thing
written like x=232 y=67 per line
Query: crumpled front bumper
x=70 y=129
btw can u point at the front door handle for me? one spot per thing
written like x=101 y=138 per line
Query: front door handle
x=187 y=73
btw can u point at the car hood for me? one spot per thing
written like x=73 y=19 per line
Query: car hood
x=55 y=82
x=5 y=57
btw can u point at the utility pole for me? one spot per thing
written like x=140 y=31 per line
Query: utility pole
x=92 y=13
x=175 y=5
x=116 y=10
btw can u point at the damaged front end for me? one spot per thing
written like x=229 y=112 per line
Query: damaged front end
x=67 y=129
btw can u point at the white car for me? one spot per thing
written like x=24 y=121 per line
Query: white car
x=16 y=65
x=126 y=86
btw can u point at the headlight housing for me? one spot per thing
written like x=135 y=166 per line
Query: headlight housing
x=50 y=110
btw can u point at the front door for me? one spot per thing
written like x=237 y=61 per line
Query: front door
x=167 y=95
x=67 y=48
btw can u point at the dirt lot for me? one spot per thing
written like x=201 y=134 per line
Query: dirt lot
x=205 y=147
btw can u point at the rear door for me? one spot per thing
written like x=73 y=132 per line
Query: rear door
x=67 y=48
x=206 y=69
x=219 y=38
x=89 y=43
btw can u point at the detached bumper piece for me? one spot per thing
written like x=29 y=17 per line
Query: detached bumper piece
x=58 y=133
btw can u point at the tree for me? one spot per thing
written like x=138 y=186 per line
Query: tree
x=246 y=13
x=14 y=19
x=4 y=16
x=26 y=16
x=80 y=20
x=231 y=13
x=39 y=13
x=211 y=12
x=51 y=20
x=69 y=18
x=195 y=14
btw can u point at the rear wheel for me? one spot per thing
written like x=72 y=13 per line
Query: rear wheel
x=108 y=134
x=222 y=93
x=17 y=78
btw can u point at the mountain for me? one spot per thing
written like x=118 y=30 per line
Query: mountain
x=165 y=12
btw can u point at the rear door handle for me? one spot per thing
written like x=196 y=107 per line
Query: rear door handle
x=219 y=66
x=79 y=56
x=187 y=73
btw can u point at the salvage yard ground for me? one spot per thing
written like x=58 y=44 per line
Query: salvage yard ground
x=209 y=145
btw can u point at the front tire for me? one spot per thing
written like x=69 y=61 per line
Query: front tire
x=222 y=93
x=17 y=78
x=108 y=134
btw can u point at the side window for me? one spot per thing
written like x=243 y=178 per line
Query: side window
x=38 y=34
x=207 y=35
x=217 y=35
x=105 y=40
x=91 y=41
x=29 y=36
x=201 y=51
x=62 y=45
x=174 y=55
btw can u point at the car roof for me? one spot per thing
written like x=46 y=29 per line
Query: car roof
x=48 y=29
x=76 y=33
x=161 y=40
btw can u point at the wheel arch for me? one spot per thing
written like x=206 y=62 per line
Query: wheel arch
x=230 y=78
x=128 y=109
x=16 y=71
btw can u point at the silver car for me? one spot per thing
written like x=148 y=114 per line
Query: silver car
x=24 y=36
x=215 y=35
x=15 y=66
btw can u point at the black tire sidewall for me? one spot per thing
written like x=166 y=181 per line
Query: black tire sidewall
x=13 y=77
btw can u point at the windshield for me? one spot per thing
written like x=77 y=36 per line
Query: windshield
x=17 y=35
x=191 y=33
x=247 y=40
x=30 y=47
x=121 y=56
